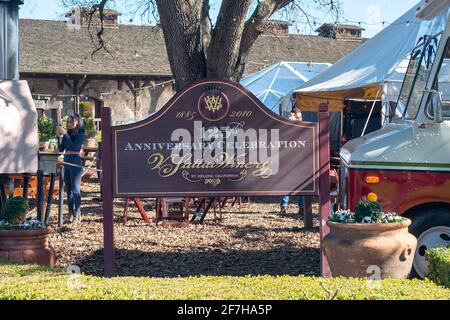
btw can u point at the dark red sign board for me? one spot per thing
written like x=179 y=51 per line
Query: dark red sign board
x=215 y=138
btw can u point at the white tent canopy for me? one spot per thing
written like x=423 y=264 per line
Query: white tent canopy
x=362 y=73
x=274 y=82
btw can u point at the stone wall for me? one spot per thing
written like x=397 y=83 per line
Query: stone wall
x=122 y=103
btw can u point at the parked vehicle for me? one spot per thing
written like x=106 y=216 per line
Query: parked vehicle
x=407 y=163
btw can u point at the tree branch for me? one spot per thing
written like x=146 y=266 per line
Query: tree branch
x=254 y=27
x=257 y=23
x=100 y=43
x=226 y=38
x=206 y=23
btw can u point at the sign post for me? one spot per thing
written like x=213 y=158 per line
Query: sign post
x=106 y=188
x=324 y=184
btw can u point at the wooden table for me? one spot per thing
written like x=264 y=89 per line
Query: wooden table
x=140 y=207
x=206 y=203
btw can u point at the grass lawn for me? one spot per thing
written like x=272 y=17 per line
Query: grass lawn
x=34 y=282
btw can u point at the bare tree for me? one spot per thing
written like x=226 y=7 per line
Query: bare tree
x=198 y=49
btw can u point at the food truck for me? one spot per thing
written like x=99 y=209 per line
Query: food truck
x=407 y=163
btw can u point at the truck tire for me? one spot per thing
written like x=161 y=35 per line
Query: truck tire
x=431 y=227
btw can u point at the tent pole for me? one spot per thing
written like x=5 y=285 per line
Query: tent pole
x=271 y=84
x=370 y=113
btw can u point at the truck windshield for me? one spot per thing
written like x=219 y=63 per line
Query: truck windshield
x=416 y=77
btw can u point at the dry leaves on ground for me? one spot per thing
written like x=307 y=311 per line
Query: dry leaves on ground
x=252 y=240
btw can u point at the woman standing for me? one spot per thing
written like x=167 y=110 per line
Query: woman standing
x=71 y=143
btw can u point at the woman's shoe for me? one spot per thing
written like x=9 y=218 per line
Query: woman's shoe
x=77 y=218
x=70 y=218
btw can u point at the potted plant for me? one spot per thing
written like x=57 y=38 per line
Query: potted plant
x=89 y=125
x=46 y=131
x=369 y=240
x=91 y=133
x=24 y=239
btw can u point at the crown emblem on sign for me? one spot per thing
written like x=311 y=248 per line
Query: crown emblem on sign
x=213 y=103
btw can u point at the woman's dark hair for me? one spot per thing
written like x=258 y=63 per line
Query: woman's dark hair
x=80 y=126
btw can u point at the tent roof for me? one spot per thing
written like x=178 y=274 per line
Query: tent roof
x=273 y=82
x=361 y=73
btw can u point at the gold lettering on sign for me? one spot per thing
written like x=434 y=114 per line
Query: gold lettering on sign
x=166 y=166
x=188 y=115
x=213 y=182
x=213 y=103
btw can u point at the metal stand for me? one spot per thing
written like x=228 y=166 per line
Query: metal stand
x=60 y=196
x=40 y=195
x=49 y=198
x=26 y=181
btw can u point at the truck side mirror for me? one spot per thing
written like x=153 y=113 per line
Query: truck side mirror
x=436 y=104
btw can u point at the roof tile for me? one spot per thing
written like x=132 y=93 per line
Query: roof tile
x=52 y=47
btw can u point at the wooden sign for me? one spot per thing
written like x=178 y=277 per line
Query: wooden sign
x=215 y=138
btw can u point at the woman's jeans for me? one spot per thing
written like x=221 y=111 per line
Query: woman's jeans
x=72 y=179
x=285 y=200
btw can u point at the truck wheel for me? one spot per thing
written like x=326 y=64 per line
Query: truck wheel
x=432 y=229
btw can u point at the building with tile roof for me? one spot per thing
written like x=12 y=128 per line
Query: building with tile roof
x=56 y=59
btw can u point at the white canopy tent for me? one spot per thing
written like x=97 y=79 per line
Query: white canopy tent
x=274 y=82
x=375 y=68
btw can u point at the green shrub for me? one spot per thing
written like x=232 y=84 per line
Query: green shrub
x=86 y=110
x=366 y=208
x=88 y=119
x=89 y=128
x=439 y=269
x=46 y=129
x=15 y=210
x=19 y=281
x=98 y=137
x=64 y=122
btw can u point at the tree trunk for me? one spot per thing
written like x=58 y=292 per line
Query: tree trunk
x=181 y=22
x=223 y=51
x=188 y=37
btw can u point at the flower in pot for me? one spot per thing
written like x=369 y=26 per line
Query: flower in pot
x=24 y=239
x=46 y=131
x=369 y=239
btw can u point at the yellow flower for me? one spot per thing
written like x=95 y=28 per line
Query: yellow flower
x=372 y=197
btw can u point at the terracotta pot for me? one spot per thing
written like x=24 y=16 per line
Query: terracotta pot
x=27 y=246
x=352 y=248
x=90 y=142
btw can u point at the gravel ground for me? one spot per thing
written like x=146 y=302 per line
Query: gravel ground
x=253 y=240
